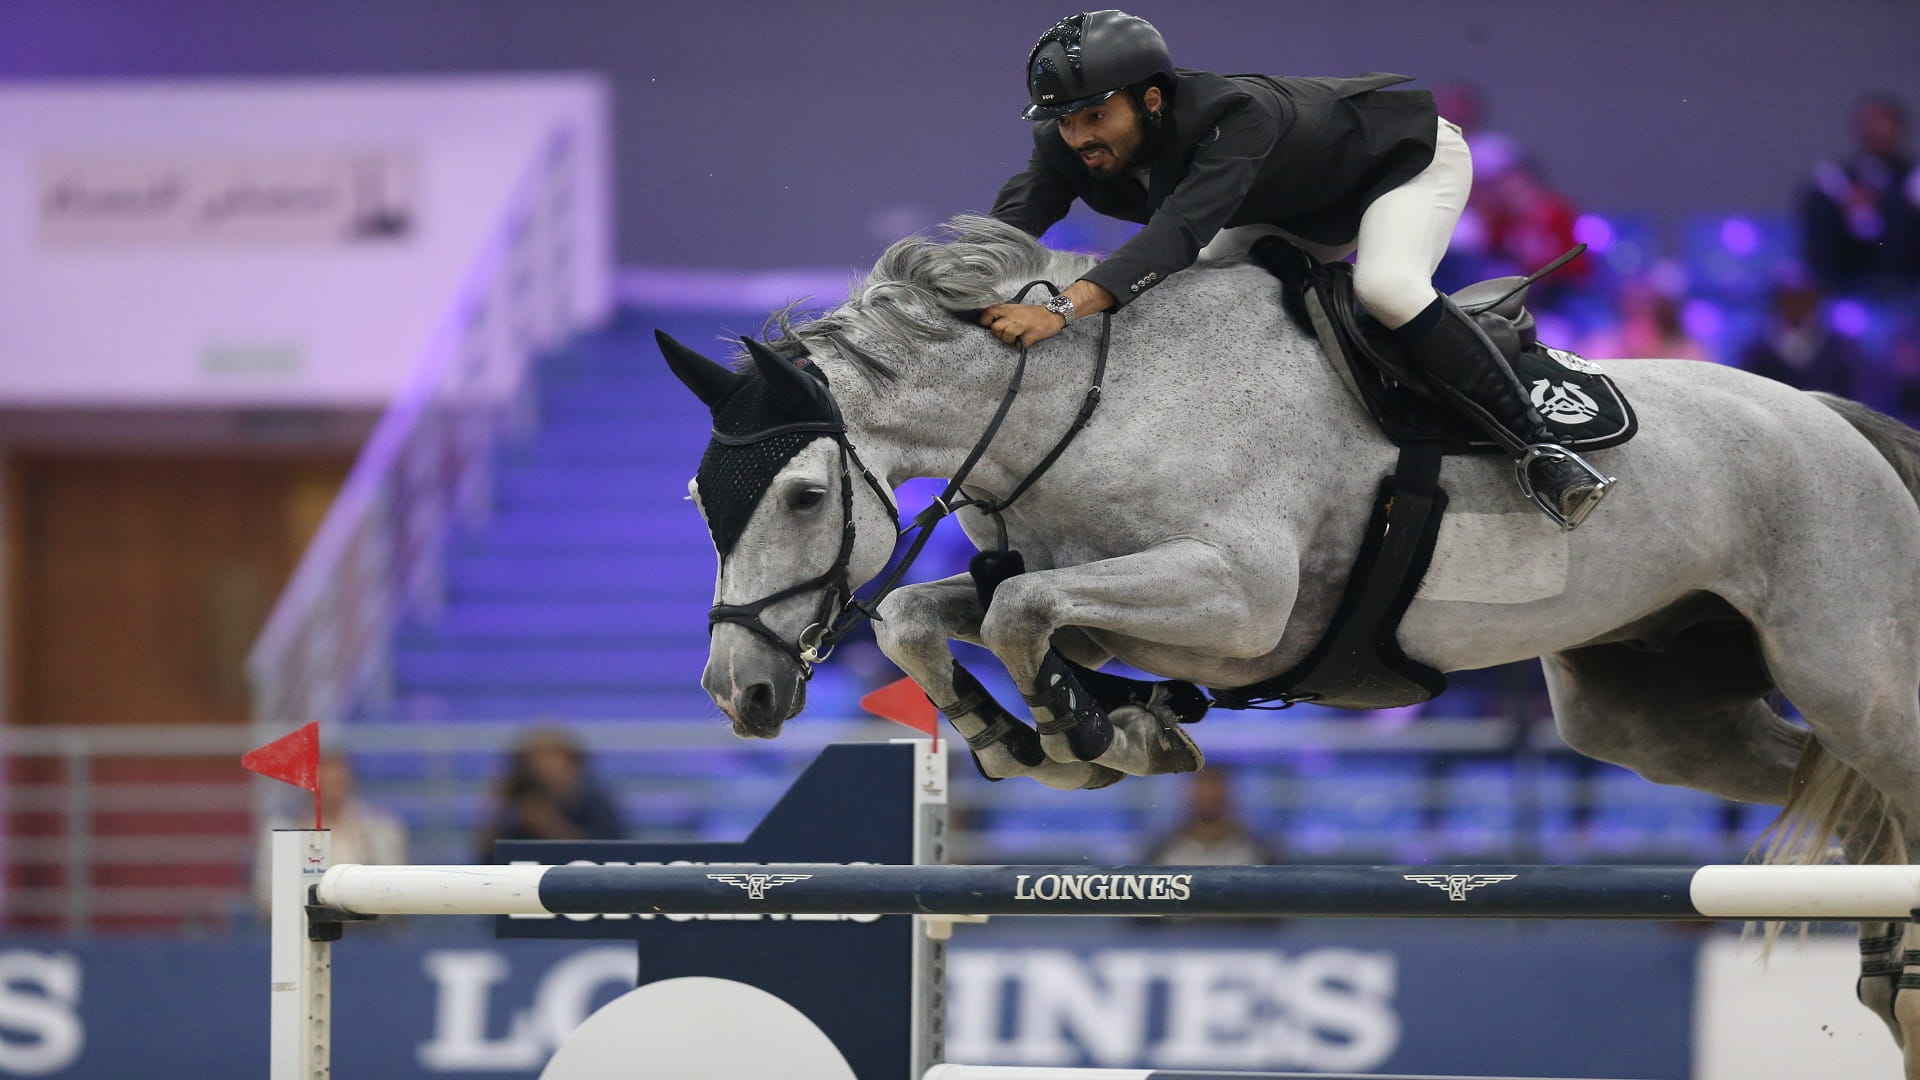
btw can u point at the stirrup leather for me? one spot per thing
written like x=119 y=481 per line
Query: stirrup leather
x=1522 y=468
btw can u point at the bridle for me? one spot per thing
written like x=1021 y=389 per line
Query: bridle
x=840 y=611
x=814 y=644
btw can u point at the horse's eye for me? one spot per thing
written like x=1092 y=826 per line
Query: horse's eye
x=805 y=498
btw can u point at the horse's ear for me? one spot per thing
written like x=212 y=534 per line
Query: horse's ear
x=795 y=391
x=710 y=382
x=785 y=376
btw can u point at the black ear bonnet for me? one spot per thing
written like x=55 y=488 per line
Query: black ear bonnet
x=757 y=428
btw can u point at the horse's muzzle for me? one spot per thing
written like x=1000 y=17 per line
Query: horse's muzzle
x=756 y=687
x=757 y=712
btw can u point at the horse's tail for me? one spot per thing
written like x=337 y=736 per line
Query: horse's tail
x=1828 y=796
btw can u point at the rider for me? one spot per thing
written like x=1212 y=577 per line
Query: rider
x=1336 y=165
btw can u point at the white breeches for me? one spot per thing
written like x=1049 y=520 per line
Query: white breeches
x=1403 y=235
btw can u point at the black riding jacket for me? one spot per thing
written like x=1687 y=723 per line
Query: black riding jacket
x=1307 y=155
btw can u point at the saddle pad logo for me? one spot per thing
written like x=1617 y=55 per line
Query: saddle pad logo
x=1457 y=885
x=758 y=884
x=1563 y=403
x=1572 y=361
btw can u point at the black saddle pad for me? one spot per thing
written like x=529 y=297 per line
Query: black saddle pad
x=1582 y=404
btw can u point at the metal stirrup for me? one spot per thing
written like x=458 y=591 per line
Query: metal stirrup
x=1522 y=469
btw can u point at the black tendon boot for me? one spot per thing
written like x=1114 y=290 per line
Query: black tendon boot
x=1446 y=344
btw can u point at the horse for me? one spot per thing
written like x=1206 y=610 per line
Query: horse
x=1763 y=543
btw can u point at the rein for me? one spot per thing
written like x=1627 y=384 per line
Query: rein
x=817 y=642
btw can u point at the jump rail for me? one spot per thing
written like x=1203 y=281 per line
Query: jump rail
x=1043 y=1073
x=836 y=849
x=1837 y=893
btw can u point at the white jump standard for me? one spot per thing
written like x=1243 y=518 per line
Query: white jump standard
x=1838 y=893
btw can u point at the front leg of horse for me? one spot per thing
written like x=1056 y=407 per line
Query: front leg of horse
x=1180 y=593
x=914 y=627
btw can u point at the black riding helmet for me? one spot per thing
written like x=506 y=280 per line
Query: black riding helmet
x=1085 y=59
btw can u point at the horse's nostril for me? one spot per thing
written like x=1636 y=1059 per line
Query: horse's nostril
x=756 y=702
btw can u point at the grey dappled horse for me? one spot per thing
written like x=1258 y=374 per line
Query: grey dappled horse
x=1202 y=526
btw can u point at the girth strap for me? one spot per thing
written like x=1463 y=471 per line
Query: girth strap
x=1358 y=663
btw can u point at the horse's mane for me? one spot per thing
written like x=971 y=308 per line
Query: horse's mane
x=913 y=293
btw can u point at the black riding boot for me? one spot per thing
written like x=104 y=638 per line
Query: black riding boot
x=1447 y=344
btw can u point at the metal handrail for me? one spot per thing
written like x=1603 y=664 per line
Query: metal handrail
x=1238 y=737
x=377 y=552
x=131 y=798
x=643 y=760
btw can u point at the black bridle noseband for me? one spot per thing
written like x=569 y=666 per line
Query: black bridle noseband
x=840 y=611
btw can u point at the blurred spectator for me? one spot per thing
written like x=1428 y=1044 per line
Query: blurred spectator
x=359 y=831
x=1905 y=364
x=1528 y=225
x=1515 y=222
x=1797 y=346
x=1493 y=151
x=1860 y=215
x=1649 y=326
x=548 y=794
x=1212 y=833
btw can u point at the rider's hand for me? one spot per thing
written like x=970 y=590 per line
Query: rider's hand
x=1022 y=324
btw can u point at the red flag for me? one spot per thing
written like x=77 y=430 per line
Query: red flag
x=293 y=758
x=905 y=703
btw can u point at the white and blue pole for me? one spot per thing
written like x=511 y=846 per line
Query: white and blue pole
x=1043 y=1073
x=1839 y=893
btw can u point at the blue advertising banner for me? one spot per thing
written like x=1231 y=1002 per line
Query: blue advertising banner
x=1538 y=999
x=1408 y=997
x=853 y=804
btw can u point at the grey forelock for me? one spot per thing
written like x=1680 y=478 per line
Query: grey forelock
x=912 y=293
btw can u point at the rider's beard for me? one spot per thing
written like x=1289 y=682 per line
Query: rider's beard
x=1115 y=158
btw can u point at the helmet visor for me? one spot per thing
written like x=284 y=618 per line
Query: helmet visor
x=1052 y=111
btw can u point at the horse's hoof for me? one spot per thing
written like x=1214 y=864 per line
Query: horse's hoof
x=1906 y=1015
x=1155 y=743
x=1877 y=993
x=1074 y=775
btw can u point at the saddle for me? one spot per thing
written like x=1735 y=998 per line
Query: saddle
x=1358 y=662
x=1584 y=407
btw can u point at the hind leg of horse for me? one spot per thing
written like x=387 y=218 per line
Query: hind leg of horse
x=1183 y=594
x=1890 y=980
x=1692 y=716
x=1854 y=682
x=915 y=625
x=1868 y=843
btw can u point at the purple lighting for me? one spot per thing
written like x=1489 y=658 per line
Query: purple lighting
x=1739 y=236
x=1593 y=231
x=1701 y=319
x=1849 y=317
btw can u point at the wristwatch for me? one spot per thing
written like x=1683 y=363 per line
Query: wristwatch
x=1062 y=306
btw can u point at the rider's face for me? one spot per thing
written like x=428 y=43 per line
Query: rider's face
x=1108 y=135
